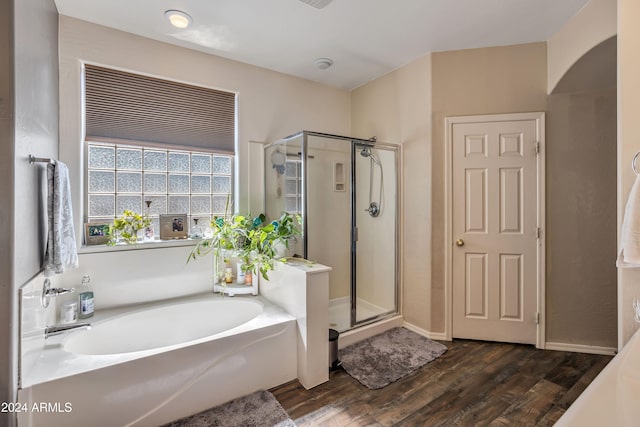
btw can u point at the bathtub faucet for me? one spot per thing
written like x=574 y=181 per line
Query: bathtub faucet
x=60 y=329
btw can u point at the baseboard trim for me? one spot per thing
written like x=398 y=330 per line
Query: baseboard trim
x=580 y=348
x=440 y=336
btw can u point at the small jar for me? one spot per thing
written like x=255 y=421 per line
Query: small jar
x=228 y=275
x=69 y=312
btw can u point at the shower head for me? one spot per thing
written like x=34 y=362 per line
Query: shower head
x=366 y=152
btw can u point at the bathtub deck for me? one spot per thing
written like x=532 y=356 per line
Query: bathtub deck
x=474 y=383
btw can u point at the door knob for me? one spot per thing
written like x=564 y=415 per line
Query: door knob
x=460 y=243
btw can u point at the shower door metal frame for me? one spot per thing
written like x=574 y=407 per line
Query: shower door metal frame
x=354 y=237
x=353 y=141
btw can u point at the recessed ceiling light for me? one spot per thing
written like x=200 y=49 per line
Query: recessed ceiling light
x=178 y=18
x=323 y=63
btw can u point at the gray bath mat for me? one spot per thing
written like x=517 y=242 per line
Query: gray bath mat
x=382 y=359
x=259 y=409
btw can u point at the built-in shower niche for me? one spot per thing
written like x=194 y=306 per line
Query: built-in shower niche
x=346 y=191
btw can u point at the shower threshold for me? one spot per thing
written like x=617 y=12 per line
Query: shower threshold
x=340 y=312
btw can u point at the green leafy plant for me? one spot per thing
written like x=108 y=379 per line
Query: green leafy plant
x=127 y=226
x=252 y=240
x=260 y=249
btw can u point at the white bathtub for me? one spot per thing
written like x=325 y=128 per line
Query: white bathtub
x=157 y=363
x=157 y=328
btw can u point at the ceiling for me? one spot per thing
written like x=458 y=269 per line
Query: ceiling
x=364 y=38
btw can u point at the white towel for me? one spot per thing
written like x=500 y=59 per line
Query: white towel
x=61 y=240
x=629 y=255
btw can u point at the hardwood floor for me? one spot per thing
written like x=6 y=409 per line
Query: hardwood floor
x=473 y=384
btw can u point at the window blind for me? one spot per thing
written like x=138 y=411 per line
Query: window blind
x=127 y=106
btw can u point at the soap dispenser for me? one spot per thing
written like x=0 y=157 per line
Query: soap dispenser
x=86 y=298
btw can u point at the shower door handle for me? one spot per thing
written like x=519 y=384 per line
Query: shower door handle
x=459 y=243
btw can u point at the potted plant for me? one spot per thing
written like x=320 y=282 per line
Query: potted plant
x=252 y=240
x=127 y=226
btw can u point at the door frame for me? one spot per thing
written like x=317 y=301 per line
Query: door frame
x=539 y=117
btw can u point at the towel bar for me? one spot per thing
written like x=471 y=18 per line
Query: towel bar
x=33 y=159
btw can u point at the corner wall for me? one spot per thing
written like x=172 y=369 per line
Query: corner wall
x=581 y=219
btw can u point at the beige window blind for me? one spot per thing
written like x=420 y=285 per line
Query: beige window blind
x=132 y=107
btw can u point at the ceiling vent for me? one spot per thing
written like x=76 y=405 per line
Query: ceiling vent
x=318 y=4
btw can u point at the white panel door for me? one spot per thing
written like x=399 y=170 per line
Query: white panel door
x=495 y=230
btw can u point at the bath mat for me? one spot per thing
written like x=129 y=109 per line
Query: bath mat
x=382 y=359
x=259 y=409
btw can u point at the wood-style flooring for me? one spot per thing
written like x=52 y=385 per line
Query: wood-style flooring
x=473 y=384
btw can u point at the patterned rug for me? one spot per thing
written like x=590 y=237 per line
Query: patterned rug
x=259 y=409
x=382 y=359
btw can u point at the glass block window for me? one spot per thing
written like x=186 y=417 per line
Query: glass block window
x=124 y=177
x=293 y=186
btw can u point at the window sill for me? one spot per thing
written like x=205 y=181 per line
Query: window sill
x=156 y=244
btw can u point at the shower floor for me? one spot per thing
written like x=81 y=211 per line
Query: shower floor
x=340 y=312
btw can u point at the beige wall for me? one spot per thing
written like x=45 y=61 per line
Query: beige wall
x=628 y=145
x=492 y=80
x=595 y=23
x=36 y=115
x=397 y=108
x=581 y=218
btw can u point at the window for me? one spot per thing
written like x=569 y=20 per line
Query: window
x=293 y=186
x=173 y=181
x=152 y=141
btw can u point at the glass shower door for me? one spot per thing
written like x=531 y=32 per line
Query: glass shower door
x=328 y=238
x=374 y=253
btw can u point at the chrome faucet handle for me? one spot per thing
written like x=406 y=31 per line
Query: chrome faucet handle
x=53 y=292
x=48 y=292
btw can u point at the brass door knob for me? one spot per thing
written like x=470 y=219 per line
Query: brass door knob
x=459 y=243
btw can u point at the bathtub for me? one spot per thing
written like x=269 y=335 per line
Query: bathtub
x=153 y=363
x=177 y=323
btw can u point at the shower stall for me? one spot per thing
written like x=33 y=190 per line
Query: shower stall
x=346 y=190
